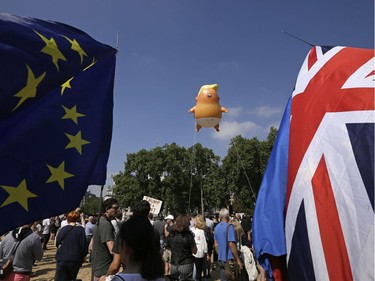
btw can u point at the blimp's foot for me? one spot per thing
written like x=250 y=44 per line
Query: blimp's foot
x=198 y=127
x=217 y=128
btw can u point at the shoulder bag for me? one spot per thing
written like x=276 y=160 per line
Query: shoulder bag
x=231 y=268
x=62 y=239
x=6 y=265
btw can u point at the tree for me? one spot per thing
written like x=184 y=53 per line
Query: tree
x=91 y=205
x=194 y=179
x=244 y=167
x=207 y=184
x=173 y=174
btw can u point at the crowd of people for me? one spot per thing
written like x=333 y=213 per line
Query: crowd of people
x=135 y=248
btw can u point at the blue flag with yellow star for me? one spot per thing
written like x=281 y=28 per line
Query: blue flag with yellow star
x=56 y=104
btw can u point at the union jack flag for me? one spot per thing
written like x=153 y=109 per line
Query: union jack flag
x=319 y=208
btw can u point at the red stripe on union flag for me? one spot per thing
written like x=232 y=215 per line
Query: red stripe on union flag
x=335 y=252
x=324 y=94
x=312 y=58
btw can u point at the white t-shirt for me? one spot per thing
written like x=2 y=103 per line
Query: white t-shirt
x=46 y=223
x=64 y=223
x=210 y=223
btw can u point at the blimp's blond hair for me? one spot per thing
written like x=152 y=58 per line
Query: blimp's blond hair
x=212 y=86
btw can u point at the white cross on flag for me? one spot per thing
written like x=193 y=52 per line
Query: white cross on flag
x=316 y=202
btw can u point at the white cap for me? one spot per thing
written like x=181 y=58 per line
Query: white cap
x=169 y=217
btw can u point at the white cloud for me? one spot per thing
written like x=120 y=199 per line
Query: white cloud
x=230 y=129
x=266 y=111
x=234 y=111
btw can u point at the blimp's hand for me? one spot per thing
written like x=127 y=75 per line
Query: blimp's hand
x=191 y=110
x=224 y=109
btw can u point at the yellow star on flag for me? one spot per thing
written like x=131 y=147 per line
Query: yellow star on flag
x=76 y=47
x=76 y=142
x=18 y=194
x=29 y=91
x=52 y=50
x=66 y=85
x=71 y=113
x=91 y=64
x=58 y=174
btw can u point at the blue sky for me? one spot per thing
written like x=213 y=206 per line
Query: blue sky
x=168 y=49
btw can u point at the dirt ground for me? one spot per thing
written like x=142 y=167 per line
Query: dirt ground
x=44 y=270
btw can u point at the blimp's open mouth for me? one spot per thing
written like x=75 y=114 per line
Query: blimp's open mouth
x=209 y=95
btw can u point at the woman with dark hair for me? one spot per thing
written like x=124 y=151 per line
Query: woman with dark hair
x=72 y=249
x=138 y=252
x=182 y=244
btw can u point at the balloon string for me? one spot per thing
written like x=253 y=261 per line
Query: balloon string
x=192 y=162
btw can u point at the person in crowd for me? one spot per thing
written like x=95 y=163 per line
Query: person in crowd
x=169 y=222
x=201 y=243
x=192 y=220
x=209 y=221
x=46 y=232
x=151 y=218
x=139 y=252
x=225 y=242
x=215 y=265
x=64 y=221
x=71 y=246
x=159 y=225
x=103 y=239
x=53 y=228
x=37 y=229
x=247 y=241
x=81 y=221
x=209 y=233
x=89 y=227
x=237 y=229
x=116 y=222
x=141 y=209
x=29 y=248
x=182 y=244
x=57 y=223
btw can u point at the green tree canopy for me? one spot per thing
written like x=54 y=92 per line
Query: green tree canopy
x=194 y=179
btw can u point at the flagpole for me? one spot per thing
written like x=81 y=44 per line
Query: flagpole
x=118 y=41
x=297 y=38
x=101 y=200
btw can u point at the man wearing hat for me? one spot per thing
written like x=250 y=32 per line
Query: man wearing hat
x=169 y=221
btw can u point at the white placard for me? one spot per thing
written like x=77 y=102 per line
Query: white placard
x=155 y=204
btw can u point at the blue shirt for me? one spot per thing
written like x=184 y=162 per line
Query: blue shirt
x=88 y=228
x=220 y=237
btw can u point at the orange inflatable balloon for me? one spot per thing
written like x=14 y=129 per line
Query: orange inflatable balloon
x=207 y=111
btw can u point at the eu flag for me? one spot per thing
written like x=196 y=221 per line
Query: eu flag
x=56 y=103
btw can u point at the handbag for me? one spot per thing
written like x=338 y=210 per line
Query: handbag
x=6 y=265
x=232 y=270
x=249 y=261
